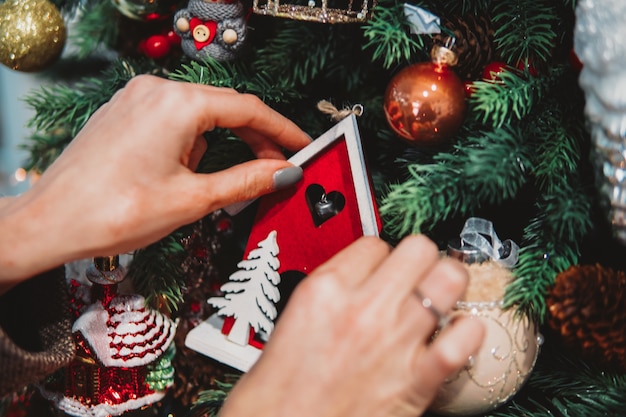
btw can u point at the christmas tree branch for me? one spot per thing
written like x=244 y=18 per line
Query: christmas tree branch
x=298 y=53
x=388 y=36
x=44 y=148
x=220 y=74
x=69 y=107
x=156 y=272
x=564 y=385
x=559 y=147
x=94 y=28
x=524 y=32
x=62 y=110
x=486 y=168
x=210 y=401
x=461 y=7
x=550 y=246
x=69 y=7
x=509 y=99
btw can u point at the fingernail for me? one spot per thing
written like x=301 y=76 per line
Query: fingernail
x=286 y=177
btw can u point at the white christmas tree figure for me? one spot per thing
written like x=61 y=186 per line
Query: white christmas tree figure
x=251 y=293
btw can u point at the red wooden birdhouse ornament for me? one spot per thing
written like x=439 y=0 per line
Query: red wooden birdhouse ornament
x=294 y=231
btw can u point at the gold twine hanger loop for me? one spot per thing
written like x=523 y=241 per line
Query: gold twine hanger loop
x=335 y=114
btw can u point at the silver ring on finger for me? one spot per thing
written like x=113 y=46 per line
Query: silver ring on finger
x=427 y=303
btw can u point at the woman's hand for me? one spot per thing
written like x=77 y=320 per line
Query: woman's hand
x=355 y=340
x=128 y=179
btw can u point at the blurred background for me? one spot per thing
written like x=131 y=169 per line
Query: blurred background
x=14 y=116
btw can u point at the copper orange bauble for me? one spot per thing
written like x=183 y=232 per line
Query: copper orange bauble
x=425 y=103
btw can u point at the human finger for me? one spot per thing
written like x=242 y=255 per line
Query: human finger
x=437 y=293
x=402 y=271
x=197 y=151
x=204 y=193
x=353 y=264
x=450 y=350
x=235 y=111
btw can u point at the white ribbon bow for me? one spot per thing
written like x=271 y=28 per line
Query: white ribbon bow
x=473 y=234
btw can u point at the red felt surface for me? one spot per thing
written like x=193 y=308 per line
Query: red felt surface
x=302 y=245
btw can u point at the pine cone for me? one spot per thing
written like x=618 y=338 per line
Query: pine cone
x=473 y=45
x=587 y=307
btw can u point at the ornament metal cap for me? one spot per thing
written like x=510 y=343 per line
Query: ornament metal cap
x=465 y=253
x=106 y=270
x=107 y=263
x=443 y=56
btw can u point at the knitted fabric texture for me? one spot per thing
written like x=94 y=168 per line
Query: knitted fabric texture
x=226 y=15
x=35 y=331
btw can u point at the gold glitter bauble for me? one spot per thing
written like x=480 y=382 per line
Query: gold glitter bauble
x=32 y=34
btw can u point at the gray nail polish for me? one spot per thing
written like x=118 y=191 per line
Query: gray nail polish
x=287 y=177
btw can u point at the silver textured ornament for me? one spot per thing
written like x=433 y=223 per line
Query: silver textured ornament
x=599 y=44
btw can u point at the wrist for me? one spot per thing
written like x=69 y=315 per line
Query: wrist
x=28 y=243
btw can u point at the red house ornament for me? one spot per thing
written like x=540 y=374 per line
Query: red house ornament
x=294 y=231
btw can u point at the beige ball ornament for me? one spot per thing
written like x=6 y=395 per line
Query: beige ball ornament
x=32 y=34
x=509 y=351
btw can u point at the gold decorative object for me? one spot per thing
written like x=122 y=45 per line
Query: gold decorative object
x=318 y=10
x=32 y=34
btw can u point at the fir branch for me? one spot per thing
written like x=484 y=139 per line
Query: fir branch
x=549 y=247
x=561 y=386
x=221 y=74
x=211 y=401
x=299 y=52
x=579 y=388
x=484 y=169
x=510 y=98
x=156 y=272
x=94 y=28
x=571 y=4
x=225 y=151
x=69 y=107
x=558 y=152
x=388 y=36
x=209 y=72
x=458 y=7
x=69 y=7
x=525 y=30
x=44 y=148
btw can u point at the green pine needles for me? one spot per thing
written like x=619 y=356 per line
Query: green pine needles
x=511 y=97
x=388 y=36
x=525 y=30
x=485 y=168
x=62 y=110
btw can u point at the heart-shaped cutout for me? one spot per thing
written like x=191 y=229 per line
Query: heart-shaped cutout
x=322 y=205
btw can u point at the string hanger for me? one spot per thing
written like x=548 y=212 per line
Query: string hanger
x=335 y=114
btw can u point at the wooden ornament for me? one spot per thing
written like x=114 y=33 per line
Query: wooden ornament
x=295 y=230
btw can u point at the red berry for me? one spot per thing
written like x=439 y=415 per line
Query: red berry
x=173 y=38
x=574 y=61
x=492 y=71
x=156 y=46
x=469 y=88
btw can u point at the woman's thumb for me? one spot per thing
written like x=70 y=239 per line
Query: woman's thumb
x=247 y=181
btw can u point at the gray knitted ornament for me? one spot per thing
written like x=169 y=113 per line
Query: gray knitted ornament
x=215 y=29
